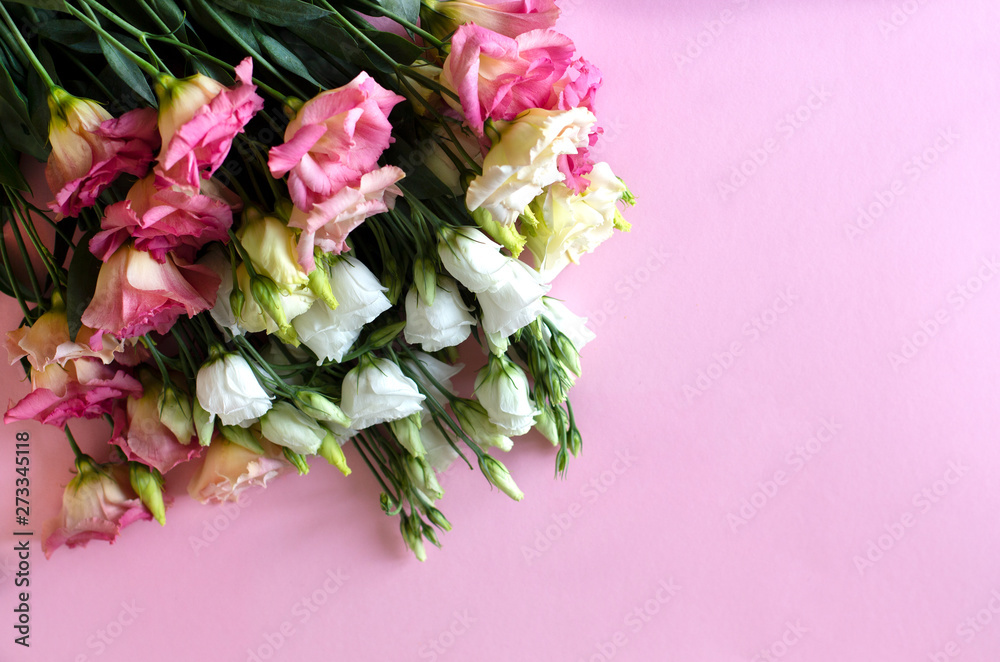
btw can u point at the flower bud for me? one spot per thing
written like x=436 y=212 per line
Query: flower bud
x=497 y=473
x=204 y=423
x=407 y=431
x=438 y=519
x=413 y=536
x=321 y=408
x=319 y=284
x=298 y=461
x=548 y=421
x=181 y=99
x=566 y=352
x=149 y=486
x=331 y=451
x=425 y=278
x=268 y=297
x=175 y=413
x=242 y=437
x=236 y=301
x=422 y=476
x=476 y=423
x=286 y=426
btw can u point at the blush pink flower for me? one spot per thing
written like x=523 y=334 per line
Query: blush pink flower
x=136 y=294
x=83 y=388
x=97 y=504
x=141 y=434
x=197 y=137
x=578 y=86
x=162 y=220
x=47 y=341
x=229 y=469
x=329 y=221
x=90 y=148
x=334 y=138
x=508 y=17
x=496 y=77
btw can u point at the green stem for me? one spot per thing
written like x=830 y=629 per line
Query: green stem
x=72 y=444
x=13 y=283
x=42 y=73
x=149 y=69
x=415 y=29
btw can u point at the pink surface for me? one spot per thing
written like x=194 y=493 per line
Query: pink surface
x=762 y=477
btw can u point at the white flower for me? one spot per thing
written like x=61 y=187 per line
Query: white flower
x=514 y=301
x=438 y=452
x=525 y=160
x=228 y=388
x=376 y=391
x=571 y=225
x=568 y=323
x=502 y=389
x=445 y=323
x=360 y=298
x=440 y=371
x=286 y=426
x=471 y=257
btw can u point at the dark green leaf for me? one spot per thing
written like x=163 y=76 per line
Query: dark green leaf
x=329 y=38
x=10 y=171
x=408 y=9
x=69 y=33
x=57 y=5
x=283 y=57
x=128 y=71
x=399 y=49
x=276 y=12
x=81 y=283
x=13 y=97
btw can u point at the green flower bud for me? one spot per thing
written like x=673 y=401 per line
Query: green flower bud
x=438 y=519
x=319 y=284
x=321 y=408
x=385 y=335
x=176 y=413
x=331 y=451
x=267 y=295
x=425 y=278
x=242 y=437
x=497 y=473
x=407 y=431
x=148 y=484
x=566 y=352
x=421 y=474
x=204 y=423
x=298 y=461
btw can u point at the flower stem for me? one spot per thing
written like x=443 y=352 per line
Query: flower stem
x=415 y=29
x=72 y=444
x=149 y=69
x=39 y=69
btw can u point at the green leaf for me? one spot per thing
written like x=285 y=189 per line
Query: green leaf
x=10 y=171
x=71 y=34
x=12 y=95
x=57 y=5
x=399 y=49
x=408 y=9
x=276 y=12
x=128 y=71
x=283 y=57
x=81 y=283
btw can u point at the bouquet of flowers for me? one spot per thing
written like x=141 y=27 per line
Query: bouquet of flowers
x=269 y=225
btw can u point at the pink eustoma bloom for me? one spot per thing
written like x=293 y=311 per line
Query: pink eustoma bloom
x=509 y=17
x=142 y=436
x=135 y=294
x=199 y=146
x=164 y=220
x=334 y=139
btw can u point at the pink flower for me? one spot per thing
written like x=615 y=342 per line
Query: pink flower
x=334 y=138
x=229 y=469
x=140 y=433
x=497 y=77
x=329 y=221
x=508 y=17
x=90 y=149
x=136 y=294
x=204 y=133
x=47 y=341
x=578 y=86
x=97 y=504
x=163 y=220
x=83 y=388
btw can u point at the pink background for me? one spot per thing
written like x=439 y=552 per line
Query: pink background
x=809 y=501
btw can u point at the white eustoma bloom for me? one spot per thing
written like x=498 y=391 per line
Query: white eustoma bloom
x=227 y=387
x=444 y=323
x=502 y=389
x=526 y=160
x=514 y=301
x=508 y=291
x=438 y=452
x=440 y=371
x=286 y=426
x=360 y=298
x=572 y=325
x=376 y=391
x=571 y=224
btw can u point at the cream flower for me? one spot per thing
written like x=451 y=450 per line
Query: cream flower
x=376 y=391
x=525 y=160
x=444 y=323
x=228 y=388
x=502 y=389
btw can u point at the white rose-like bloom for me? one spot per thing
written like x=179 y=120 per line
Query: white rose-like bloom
x=360 y=298
x=572 y=325
x=376 y=391
x=471 y=257
x=571 y=225
x=502 y=389
x=514 y=301
x=445 y=323
x=525 y=160
x=228 y=388
x=286 y=426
